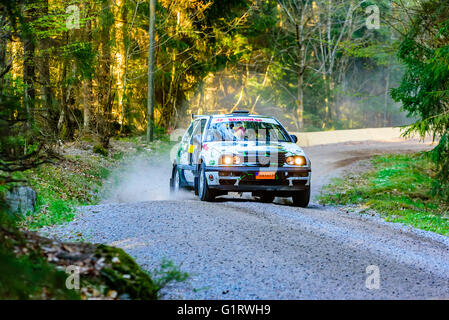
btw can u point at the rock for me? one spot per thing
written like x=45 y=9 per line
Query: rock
x=21 y=199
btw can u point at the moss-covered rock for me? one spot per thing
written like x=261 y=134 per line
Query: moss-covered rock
x=123 y=274
x=32 y=267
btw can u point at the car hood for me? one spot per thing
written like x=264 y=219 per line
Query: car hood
x=237 y=147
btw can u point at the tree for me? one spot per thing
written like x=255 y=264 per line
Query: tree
x=22 y=145
x=310 y=62
x=424 y=89
x=151 y=40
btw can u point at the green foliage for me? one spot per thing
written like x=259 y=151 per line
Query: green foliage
x=440 y=155
x=167 y=273
x=224 y=47
x=399 y=188
x=118 y=156
x=98 y=148
x=24 y=273
x=63 y=186
x=424 y=90
x=77 y=180
x=50 y=212
x=101 y=172
x=125 y=275
x=27 y=278
x=23 y=143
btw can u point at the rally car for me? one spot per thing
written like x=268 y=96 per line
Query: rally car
x=240 y=152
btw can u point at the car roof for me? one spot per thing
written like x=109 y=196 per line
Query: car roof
x=234 y=114
x=239 y=115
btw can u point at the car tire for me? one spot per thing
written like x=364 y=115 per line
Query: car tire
x=266 y=198
x=204 y=192
x=302 y=198
x=195 y=185
x=175 y=181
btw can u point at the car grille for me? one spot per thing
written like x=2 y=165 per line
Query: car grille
x=265 y=160
x=263 y=183
x=225 y=182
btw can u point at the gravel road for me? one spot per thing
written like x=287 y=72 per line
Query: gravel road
x=237 y=248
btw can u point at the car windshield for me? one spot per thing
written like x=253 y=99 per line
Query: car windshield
x=246 y=130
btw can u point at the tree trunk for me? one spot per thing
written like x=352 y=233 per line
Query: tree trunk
x=3 y=65
x=386 y=95
x=120 y=54
x=301 y=69
x=87 y=86
x=300 y=102
x=150 y=104
x=103 y=118
x=87 y=101
x=29 y=68
x=46 y=91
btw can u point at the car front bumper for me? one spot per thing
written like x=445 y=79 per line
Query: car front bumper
x=242 y=179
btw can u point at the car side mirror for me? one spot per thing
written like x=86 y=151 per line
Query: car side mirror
x=294 y=138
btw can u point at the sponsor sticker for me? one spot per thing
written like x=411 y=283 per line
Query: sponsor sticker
x=261 y=175
x=243 y=119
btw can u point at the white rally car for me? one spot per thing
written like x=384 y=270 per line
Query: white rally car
x=240 y=152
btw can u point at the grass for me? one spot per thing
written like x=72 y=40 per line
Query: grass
x=167 y=273
x=398 y=187
x=61 y=187
x=24 y=273
x=77 y=180
x=28 y=269
x=31 y=278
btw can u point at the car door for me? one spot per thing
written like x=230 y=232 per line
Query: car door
x=191 y=149
x=196 y=143
x=184 y=155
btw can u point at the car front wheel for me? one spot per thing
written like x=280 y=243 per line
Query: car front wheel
x=302 y=198
x=204 y=192
x=175 y=182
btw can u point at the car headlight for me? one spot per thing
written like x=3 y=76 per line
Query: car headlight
x=296 y=161
x=237 y=159
x=230 y=159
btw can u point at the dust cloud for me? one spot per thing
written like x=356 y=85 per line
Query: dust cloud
x=141 y=178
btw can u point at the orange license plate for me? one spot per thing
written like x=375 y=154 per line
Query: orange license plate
x=265 y=175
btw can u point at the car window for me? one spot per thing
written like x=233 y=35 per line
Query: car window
x=198 y=130
x=188 y=134
x=246 y=131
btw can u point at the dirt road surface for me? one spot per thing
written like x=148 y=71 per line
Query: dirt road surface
x=237 y=248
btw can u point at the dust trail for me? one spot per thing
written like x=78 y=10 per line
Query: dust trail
x=140 y=178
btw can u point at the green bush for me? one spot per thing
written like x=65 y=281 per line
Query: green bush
x=99 y=149
x=424 y=89
x=125 y=275
x=31 y=278
x=24 y=273
x=399 y=187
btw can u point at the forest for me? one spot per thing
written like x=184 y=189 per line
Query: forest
x=82 y=64
x=87 y=85
x=70 y=69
